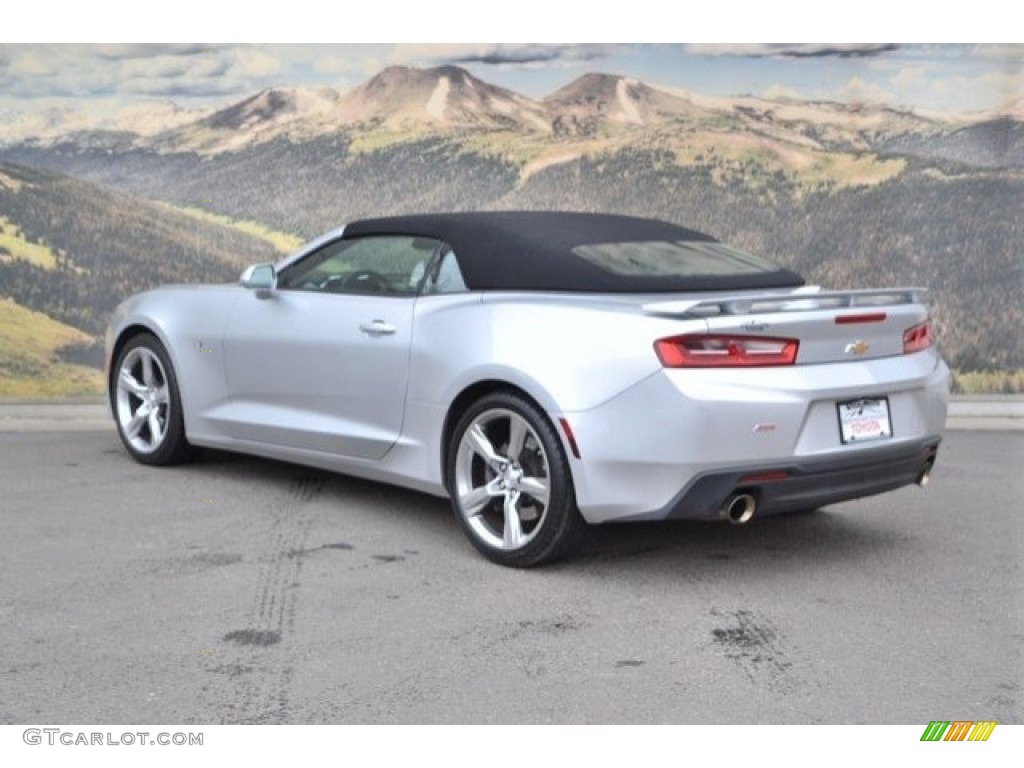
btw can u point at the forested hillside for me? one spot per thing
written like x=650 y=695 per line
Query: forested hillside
x=104 y=246
x=955 y=233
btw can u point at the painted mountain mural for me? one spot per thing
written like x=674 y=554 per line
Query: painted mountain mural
x=847 y=194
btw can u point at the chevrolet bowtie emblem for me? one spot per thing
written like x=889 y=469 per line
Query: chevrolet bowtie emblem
x=857 y=348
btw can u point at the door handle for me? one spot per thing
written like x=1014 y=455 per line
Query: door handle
x=377 y=328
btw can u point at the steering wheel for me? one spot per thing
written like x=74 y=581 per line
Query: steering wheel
x=366 y=281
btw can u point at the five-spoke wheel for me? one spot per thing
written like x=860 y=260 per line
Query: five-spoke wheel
x=144 y=395
x=510 y=482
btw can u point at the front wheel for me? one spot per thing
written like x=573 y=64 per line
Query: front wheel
x=510 y=483
x=147 y=404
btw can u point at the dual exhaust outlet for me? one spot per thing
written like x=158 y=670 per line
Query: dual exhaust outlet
x=740 y=507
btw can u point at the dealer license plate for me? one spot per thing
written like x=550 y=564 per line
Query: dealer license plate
x=864 y=420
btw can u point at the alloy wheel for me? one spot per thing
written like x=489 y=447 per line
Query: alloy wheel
x=502 y=479
x=143 y=400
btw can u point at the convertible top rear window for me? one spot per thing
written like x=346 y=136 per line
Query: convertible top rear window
x=680 y=258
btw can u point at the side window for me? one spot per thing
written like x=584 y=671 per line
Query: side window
x=444 y=275
x=389 y=265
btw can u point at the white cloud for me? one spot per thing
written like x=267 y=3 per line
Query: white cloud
x=502 y=54
x=1002 y=51
x=335 y=64
x=349 y=63
x=779 y=91
x=254 y=62
x=978 y=92
x=189 y=72
x=909 y=77
x=860 y=91
x=793 y=50
x=121 y=51
x=32 y=64
x=413 y=53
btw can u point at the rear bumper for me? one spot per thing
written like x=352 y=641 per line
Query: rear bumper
x=680 y=442
x=807 y=483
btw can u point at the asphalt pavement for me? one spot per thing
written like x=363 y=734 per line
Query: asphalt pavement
x=238 y=590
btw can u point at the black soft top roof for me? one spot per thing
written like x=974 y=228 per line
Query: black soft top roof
x=532 y=250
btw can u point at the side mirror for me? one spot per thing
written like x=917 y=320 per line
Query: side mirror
x=260 y=279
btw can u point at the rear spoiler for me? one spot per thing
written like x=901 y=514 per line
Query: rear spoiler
x=802 y=299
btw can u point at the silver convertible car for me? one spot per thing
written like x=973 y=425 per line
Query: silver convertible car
x=542 y=370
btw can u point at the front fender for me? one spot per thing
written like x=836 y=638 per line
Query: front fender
x=189 y=321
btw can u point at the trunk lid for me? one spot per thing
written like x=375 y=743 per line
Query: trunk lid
x=830 y=326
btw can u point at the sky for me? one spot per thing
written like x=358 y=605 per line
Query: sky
x=100 y=79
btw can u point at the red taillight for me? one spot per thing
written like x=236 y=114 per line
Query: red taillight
x=721 y=351
x=917 y=338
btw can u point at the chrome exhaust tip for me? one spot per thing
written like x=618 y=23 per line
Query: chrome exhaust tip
x=739 y=508
x=926 y=475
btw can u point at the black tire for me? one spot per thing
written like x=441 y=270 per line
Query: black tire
x=487 y=475
x=146 y=402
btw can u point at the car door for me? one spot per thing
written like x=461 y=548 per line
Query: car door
x=321 y=361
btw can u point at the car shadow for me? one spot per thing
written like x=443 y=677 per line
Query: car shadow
x=766 y=545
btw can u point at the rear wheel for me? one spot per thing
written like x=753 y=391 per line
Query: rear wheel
x=510 y=483
x=147 y=404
